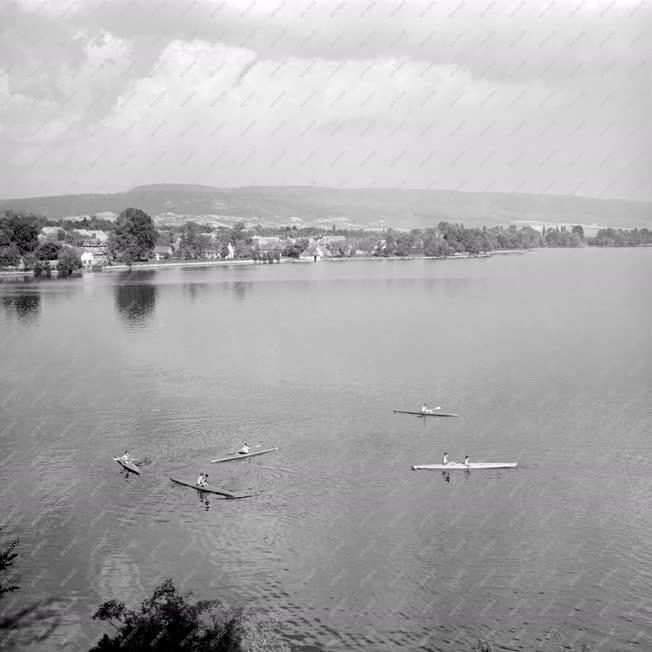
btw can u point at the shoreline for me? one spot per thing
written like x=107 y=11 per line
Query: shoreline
x=216 y=263
x=121 y=267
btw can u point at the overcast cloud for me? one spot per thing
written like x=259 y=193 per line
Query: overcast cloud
x=103 y=95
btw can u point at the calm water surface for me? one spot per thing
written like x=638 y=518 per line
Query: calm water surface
x=547 y=357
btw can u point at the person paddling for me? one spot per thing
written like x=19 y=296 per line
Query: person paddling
x=445 y=460
x=244 y=450
x=126 y=457
x=201 y=480
x=467 y=462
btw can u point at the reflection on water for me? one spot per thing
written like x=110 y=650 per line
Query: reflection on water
x=239 y=289
x=191 y=291
x=25 y=306
x=135 y=298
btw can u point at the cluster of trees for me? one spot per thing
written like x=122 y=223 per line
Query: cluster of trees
x=19 y=242
x=563 y=237
x=621 y=238
x=449 y=239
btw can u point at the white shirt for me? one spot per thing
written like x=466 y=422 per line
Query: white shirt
x=244 y=450
x=200 y=481
x=445 y=459
x=467 y=461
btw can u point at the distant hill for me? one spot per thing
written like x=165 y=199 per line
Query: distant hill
x=365 y=207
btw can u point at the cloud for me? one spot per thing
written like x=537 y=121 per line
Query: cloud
x=502 y=40
x=102 y=95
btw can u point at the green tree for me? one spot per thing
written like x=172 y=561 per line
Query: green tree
x=73 y=239
x=69 y=261
x=47 y=250
x=224 y=249
x=134 y=236
x=242 y=249
x=193 y=243
x=239 y=232
x=41 y=268
x=20 y=230
x=9 y=256
x=295 y=249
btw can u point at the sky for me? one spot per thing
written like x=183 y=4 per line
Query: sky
x=547 y=96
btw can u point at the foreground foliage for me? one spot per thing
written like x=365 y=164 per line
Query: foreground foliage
x=169 y=620
x=7 y=556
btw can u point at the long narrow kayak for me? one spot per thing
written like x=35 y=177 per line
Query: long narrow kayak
x=130 y=466
x=457 y=466
x=207 y=489
x=434 y=413
x=243 y=456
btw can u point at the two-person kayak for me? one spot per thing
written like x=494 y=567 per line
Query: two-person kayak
x=458 y=466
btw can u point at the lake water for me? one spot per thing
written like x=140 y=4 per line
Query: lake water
x=547 y=357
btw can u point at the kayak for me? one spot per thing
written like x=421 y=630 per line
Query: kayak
x=434 y=413
x=208 y=489
x=130 y=466
x=458 y=466
x=244 y=456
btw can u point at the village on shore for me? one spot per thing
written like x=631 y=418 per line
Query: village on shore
x=37 y=245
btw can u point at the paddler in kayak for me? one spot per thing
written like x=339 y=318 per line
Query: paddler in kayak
x=126 y=457
x=244 y=450
x=201 y=480
x=467 y=461
x=426 y=410
x=445 y=460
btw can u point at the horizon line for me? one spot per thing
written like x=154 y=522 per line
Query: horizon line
x=338 y=188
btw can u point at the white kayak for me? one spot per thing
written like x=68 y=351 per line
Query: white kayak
x=458 y=466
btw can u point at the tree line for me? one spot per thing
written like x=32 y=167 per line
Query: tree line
x=133 y=237
x=621 y=238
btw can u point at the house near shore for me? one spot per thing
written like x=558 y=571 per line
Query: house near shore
x=314 y=251
x=272 y=243
x=162 y=252
x=93 y=254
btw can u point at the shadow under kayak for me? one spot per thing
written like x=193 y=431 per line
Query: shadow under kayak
x=242 y=456
x=456 y=466
x=435 y=413
x=128 y=465
x=208 y=489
